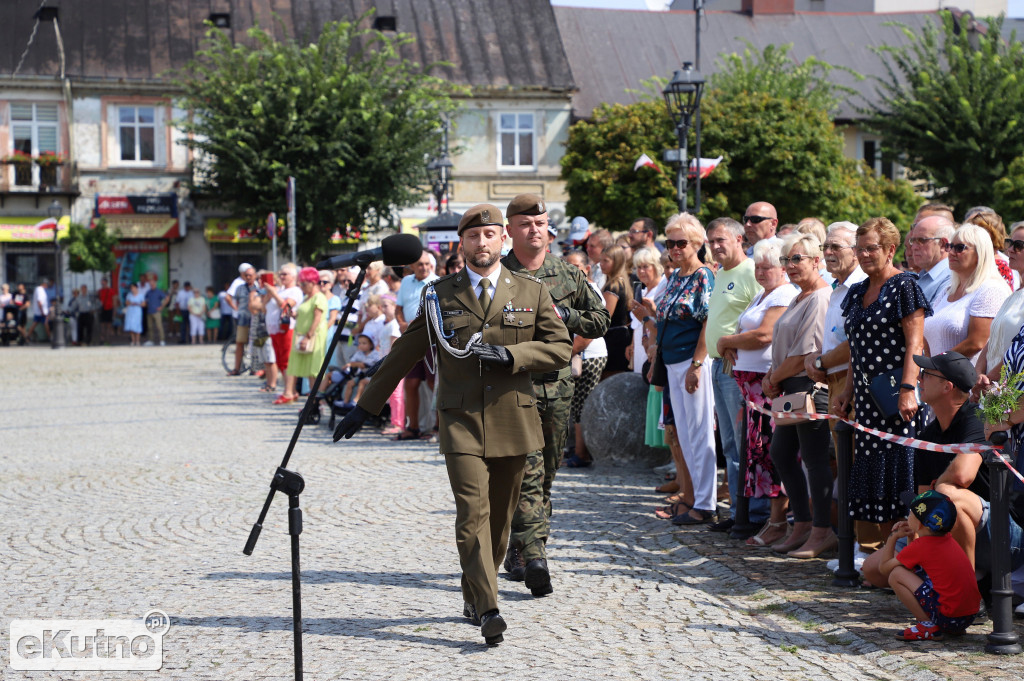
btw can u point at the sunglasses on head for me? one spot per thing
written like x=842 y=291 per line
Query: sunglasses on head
x=755 y=219
x=1014 y=244
x=676 y=243
x=959 y=248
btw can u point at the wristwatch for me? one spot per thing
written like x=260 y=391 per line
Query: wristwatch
x=817 y=363
x=697 y=363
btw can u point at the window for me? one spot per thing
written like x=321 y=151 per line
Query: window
x=515 y=141
x=137 y=133
x=33 y=131
x=872 y=155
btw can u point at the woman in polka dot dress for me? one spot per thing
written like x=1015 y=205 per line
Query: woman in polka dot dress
x=885 y=326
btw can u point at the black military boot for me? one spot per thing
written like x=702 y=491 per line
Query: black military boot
x=515 y=568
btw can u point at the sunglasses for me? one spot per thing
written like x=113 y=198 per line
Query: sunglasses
x=920 y=240
x=794 y=260
x=324 y=283
x=676 y=243
x=755 y=219
x=959 y=248
x=938 y=376
x=1014 y=244
x=834 y=247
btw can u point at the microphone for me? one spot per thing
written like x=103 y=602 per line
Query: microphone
x=396 y=250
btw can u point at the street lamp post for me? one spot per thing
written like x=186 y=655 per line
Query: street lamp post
x=56 y=211
x=682 y=98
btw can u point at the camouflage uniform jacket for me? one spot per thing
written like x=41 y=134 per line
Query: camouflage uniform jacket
x=569 y=288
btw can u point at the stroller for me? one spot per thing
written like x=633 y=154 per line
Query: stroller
x=9 y=330
x=333 y=396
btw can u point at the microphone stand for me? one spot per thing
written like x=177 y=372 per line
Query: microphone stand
x=292 y=484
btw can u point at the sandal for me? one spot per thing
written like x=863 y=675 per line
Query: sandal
x=667 y=488
x=763 y=539
x=282 y=399
x=268 y=388
x=687 y=519
x=672 y=510
x=408 y=434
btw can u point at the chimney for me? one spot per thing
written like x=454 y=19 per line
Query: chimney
x=754 y=7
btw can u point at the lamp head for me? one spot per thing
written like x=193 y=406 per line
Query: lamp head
x=683 y=93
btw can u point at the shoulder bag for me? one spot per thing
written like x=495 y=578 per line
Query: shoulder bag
x=796 y=403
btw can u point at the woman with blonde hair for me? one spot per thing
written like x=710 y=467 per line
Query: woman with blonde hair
x=992 y=223
x=962 y=320
x=618 y=298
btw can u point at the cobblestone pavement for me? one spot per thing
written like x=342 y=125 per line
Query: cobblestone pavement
x=131 y=478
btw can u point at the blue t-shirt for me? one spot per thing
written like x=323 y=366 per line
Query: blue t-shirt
x=154 y=299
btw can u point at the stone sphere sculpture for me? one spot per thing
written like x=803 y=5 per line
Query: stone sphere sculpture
x=613 y=420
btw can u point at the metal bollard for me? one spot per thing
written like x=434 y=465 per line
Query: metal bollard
x=1003 y=640
x=846 y=575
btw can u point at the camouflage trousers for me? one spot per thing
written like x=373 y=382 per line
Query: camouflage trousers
x=531 y=523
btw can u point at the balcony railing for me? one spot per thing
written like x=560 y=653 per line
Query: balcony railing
x=32 y=177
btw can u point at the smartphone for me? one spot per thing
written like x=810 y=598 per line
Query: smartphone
x=267 y=277
x=637 y=290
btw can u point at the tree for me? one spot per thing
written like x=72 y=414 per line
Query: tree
x=90 y=249
x=768 y=117
x=346 y=116
x=950 y=108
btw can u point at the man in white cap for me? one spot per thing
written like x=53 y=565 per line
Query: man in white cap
x=238 y=299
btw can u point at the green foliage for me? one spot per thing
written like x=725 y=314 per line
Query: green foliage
x=950 y=108
x=90 y=249
x=346 y=116
x=1002 y=398
x=1008 y=191
x=783 y=149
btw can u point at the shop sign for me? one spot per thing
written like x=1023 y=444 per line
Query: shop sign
x=140 y=217
x=31 y=228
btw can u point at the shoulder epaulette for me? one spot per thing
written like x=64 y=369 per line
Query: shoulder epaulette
x=526 y=275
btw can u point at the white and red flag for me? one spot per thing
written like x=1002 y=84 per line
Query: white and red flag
x=707 y=165
x=645 y=160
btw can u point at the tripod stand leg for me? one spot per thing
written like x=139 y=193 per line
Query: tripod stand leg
x=295 y=529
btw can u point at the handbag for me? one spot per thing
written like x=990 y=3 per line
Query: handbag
x=659 y=379
x=298 y=347
x=796 y=403
x=885 y=391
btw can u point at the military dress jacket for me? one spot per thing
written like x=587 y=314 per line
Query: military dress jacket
x=588 y=317
x=483 y=410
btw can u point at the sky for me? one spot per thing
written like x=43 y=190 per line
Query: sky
x=1015 y=7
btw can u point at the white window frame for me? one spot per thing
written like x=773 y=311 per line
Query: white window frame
x=114 y=126
x=34 y=125
x=517 y=132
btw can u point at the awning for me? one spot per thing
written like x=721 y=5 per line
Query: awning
x=31 y=228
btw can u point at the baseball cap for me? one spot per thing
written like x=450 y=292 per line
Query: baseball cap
x=933 y=509
x=244 y=267
x=579 y=230
x=956 y=368
x=552 y=230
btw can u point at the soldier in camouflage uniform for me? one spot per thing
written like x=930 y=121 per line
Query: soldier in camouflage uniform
x=584 y=314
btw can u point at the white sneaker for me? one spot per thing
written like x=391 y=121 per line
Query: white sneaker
x=162 y=343
x=148 y=343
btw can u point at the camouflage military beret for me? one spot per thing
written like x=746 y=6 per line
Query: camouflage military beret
x=480 y=215
x=526 y=204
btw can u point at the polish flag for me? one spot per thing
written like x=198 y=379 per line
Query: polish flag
x=48 y=223
x=645 y=160
x=707 y=165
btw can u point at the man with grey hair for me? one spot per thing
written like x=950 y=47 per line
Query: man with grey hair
x=735 y=288
x=832 y=364
x=929 y=240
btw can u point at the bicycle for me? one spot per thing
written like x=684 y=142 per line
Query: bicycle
x=252 y=357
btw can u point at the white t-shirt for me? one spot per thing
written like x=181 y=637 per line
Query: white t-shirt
x=761 y=360
x=40 y=302
x=947 y=327
x=1005 y=326
x=231 y=292
x=597 y=347
x=388 y=335
x=374 y=328
x=274 y=310
x=639 y=354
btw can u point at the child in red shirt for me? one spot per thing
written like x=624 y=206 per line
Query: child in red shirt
x=932 y=576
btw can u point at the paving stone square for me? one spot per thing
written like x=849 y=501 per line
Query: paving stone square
x=132 y=476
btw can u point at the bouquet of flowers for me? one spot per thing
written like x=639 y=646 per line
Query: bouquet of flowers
x=1002 y=398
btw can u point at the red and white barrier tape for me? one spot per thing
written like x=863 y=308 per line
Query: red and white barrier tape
x=965 y=448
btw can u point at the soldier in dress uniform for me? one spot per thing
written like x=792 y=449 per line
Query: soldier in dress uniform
x=487 y=409
x=584 y=314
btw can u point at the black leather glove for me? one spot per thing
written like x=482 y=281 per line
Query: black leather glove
x=563 y=312
x=493 y=354
x=351 y=424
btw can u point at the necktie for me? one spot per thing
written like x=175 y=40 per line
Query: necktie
x=485 y=294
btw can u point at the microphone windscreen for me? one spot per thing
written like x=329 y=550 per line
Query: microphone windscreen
x=401 y=249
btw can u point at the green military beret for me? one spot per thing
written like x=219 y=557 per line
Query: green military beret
x=480 y=215
x=526 y=204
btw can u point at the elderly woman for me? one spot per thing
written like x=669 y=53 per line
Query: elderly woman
x=749 y=350
x=797 y=334
x=1010 y=318
x=309 y=340
x=963 y=317
x=884 y=321
x=680 y=316
x=992 y=223
x=280 y=300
